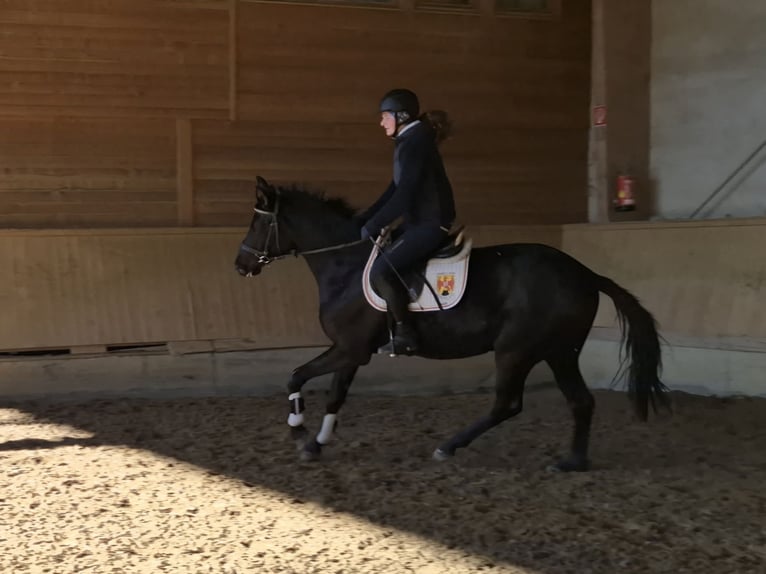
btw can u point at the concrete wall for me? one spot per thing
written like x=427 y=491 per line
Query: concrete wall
x=704 y=282
x=708 y=88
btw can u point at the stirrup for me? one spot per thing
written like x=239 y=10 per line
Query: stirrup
x=395 y=349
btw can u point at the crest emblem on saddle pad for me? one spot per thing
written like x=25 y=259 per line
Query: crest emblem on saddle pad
x=447 y=277
x=445 y=284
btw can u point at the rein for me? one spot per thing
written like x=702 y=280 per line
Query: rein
x=263 y=255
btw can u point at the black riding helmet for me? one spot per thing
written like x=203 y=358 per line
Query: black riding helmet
x=402 y=103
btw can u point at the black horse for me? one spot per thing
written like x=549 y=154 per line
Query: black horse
x=526 y=302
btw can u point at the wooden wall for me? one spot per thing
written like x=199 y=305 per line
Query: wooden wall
x=114 y=58
x=157 y=113
x=89 y=289
x=65 y=171
x=145 y=122
x=90 y=95
x=703 y=281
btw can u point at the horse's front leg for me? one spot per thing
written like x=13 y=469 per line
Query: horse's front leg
x=340 y=385
x=330 y=361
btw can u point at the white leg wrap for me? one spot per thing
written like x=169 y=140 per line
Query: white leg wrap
x=328 y=426
x=295 y=420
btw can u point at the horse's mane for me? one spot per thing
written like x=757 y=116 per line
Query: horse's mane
x=318 y=199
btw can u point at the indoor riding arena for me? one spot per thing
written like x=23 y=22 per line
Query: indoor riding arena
x=146 y=424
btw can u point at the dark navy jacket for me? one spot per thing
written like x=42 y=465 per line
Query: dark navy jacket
x=420 y=190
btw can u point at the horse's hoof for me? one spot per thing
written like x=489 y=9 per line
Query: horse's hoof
x=311 y=452
x=300 y=437
x=442 y=455
x=570 y=465
x=309 y=456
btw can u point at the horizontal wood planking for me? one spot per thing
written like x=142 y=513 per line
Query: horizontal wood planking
x=87 y=172
x=346 y=160
x=308 y=78
x=517 y=91
x=115 y=58
x=131 y=286
x=128 y=286
x=528 y=185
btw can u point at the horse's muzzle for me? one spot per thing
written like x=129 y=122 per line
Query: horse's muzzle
x=245 y=272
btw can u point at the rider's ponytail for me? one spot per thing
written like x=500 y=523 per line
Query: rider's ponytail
x=440 y=122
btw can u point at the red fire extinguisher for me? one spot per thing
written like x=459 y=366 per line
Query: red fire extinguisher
x=625 y=199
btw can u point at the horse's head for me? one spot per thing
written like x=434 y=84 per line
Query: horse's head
x=293 y=221
x=266 y=239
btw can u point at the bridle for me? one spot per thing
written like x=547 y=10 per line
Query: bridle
x=263 y=255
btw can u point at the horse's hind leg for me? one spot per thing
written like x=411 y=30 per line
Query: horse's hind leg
x=340 y=384
x=512 y=370
x=569 y=379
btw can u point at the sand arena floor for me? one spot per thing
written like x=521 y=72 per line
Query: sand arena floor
x=214 y=486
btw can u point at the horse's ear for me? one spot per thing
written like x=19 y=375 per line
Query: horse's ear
x=261 y=183
x=264 y=192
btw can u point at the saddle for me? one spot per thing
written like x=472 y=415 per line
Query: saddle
x=437 y=283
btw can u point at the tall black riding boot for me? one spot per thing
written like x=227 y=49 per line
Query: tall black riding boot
x=405 y=339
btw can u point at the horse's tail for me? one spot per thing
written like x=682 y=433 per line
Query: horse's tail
x=641 y=345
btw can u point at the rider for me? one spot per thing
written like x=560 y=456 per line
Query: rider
x=420 y=193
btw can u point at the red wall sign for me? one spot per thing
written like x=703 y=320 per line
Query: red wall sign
x=599 y=116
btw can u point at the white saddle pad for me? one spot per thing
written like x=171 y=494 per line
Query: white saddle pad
x=448 y=277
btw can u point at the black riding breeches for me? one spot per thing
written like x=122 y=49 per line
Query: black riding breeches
x=409 y=249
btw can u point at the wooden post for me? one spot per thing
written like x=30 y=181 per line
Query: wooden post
x=621 y=72
x=486 y=8
x=628 y=72
x=184 y=172
x=233 y=59
x=598 y=210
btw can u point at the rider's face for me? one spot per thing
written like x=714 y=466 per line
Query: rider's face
x=388 y=123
